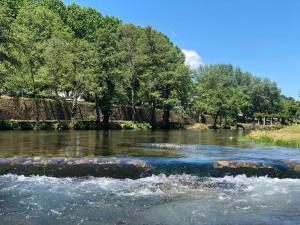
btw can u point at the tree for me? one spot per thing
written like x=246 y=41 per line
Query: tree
x=290 y=109
x=130 y=57
x=264 y=97
x=220 y=94
x=32 y=29
x=83 y=58
x=103 y=85
x=84 y=21
x=57 y=66
x=162 y=63
x=8 y=12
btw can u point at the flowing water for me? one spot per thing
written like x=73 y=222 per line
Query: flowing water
x=146 y=177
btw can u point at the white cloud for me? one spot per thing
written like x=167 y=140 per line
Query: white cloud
x=192 y=58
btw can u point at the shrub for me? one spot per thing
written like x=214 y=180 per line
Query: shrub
x=63 y=125
x=198 y=126
x=90 y=125
x=8 y=125
x=144 y=126
x=24 y=125
x=78 y=125
x=92 y=118
x=128 y=125
x=44 y=126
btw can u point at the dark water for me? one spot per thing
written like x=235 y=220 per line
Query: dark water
x=187 y=177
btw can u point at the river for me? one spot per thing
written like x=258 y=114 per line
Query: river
x=146 y=177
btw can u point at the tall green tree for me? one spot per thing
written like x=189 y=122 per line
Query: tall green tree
x=32 y=29
x=161 y=78
x=219 y=94
x=84 y=21
x=83 y=59
x=104 y=84
x=8 y=62
x=264 y=96
x=130 y=60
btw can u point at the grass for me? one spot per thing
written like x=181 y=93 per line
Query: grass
x=287 y=137
x=197 y=126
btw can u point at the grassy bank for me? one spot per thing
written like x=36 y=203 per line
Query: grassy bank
x=288 y=137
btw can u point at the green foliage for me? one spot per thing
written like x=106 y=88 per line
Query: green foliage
x=63 y=125
x=26 y=125
x=288 y=136
x=48 y=49
x=78 y=125
x=144 y=126
x=92 y=118
x=226 y=93
x=83 y=125
x=129 y=125
x=44 y=126
x=8 y=125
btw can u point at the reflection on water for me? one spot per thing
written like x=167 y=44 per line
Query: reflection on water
x=163 y=194
x=103 y=144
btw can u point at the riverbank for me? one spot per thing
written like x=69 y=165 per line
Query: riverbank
x=287 y=137
x=69 y=125
x=116 y=125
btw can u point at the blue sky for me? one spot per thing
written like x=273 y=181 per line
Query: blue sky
x=259 y=36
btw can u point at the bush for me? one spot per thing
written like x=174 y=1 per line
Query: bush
x=197 y=126
x=8 y=125
x=144 y=126
x=78 y=125
x=128 y=125
x=44 y=126
x=92 y=118
x=90 y=125
x=24 y=125
x=63 y=126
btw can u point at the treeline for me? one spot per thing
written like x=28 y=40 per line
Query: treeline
x=227 y=93
x=50 y=50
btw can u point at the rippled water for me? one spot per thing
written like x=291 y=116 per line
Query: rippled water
x=175 y=190
x=179 y=199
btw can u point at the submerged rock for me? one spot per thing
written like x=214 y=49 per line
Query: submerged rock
x=73 y=167
x=136 y=168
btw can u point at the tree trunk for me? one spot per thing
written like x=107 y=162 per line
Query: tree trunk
x=37 y=110
x=153 y=116
x=106 y=116
x=98 y=118
x=215 y=121
x=166 y=119
x=133 y=101
x=199 y=119
x=74 y=109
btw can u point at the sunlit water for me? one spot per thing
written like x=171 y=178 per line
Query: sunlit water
x=169 y=196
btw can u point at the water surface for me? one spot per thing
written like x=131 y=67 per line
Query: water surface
x=186 y=177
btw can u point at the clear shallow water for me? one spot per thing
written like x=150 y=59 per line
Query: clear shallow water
x=167 y=195
x=106 y=144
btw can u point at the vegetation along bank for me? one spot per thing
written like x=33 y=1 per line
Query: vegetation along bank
x=49 y=50
x=288 y=136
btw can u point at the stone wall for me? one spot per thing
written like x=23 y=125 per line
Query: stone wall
x=24 y=109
